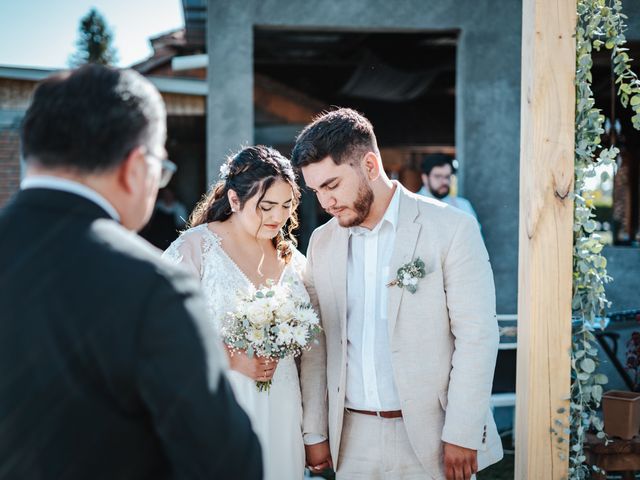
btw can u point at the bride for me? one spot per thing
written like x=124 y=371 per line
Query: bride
x=237 y=241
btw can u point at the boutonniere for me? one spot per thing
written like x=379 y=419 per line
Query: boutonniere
x=408 y=275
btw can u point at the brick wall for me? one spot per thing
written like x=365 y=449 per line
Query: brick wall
x=15 y=96
x=9 y=163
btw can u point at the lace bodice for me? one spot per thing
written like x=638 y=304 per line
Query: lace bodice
x=200 y=250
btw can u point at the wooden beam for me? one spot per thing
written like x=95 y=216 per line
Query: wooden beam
x=177 y=104
x=545 y=235
x=283 y=102
x=16 y=94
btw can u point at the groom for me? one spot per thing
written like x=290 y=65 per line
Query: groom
x=406 y=360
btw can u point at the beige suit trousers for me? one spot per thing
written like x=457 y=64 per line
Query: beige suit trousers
x=374 y=448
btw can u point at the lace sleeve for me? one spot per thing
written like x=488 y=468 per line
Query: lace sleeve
x=186 y=250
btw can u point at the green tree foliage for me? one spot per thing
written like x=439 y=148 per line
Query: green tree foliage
x=94 y=41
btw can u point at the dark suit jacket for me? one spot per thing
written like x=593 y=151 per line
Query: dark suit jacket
x=103 y=367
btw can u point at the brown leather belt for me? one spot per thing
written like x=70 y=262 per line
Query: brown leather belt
x=389 y=414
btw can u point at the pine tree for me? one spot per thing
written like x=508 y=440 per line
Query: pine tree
x=94 y=42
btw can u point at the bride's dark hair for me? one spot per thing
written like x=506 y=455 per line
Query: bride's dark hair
x=249 y=172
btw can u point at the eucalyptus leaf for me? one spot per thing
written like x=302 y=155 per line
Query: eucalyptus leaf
x=600 y=378
x=588 y=365
x=583 y=376
x=596 y=392
x=600 y=24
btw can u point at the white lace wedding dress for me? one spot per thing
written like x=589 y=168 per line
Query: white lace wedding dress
x=276 y=416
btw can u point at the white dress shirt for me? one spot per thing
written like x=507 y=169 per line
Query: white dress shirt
x=69 y=186
x=370 y=383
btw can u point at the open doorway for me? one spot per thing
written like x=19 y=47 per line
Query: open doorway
x=403 y=82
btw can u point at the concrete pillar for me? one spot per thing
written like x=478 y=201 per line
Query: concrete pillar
x=230 y=79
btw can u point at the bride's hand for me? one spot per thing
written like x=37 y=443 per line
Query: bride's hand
x=260 y=369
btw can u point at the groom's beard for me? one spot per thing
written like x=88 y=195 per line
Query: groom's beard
x=361 y=206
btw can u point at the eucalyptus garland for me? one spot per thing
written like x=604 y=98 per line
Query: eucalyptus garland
x=600 y=24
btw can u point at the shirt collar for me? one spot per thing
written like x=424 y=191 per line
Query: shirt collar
x=390 y=216
x=69 y=186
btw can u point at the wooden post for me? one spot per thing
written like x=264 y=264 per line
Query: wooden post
x=545 y=235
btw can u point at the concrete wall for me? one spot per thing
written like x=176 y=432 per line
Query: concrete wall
x=623 y=264
x=488 y=93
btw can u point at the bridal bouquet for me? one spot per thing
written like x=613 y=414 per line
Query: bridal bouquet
x=268 y=322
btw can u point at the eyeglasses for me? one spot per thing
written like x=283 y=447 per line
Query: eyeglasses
x=168 y=168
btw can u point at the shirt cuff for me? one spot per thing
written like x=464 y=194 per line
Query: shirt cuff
x=313 y=438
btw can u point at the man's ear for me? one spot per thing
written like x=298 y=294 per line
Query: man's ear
x=425 y=179
x=371 y=166
x=133 y=171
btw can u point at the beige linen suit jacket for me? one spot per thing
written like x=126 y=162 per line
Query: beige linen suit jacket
x=444 y=338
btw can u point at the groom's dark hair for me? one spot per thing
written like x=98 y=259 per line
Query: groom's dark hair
x=89 y=119
x=342 y=134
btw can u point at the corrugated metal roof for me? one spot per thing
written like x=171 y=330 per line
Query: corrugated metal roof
x=195 y=20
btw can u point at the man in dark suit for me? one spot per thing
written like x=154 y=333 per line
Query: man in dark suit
x=108 y=367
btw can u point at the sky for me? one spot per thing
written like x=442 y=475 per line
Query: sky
x=43 y=33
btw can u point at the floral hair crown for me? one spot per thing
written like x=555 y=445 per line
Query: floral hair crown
x=225 y=170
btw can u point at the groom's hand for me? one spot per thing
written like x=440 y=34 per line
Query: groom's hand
x=459 y=463
x=318 y=456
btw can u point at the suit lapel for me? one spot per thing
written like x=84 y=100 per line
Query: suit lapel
x=404 y=247
x=338 y=271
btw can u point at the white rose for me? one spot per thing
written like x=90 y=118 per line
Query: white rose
x=413 y=281
x=241 y=310
x=286 y=310
x=259 y=312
